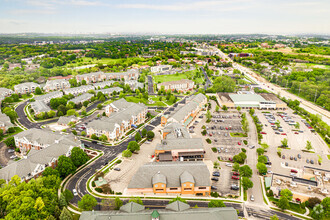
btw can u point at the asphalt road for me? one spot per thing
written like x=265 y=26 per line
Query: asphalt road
x=150 y=86
x=208 y=82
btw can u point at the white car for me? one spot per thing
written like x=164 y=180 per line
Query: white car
x=229 y=165
x=269 y=171
x=74 y=191
x=252 y=198
x=13 y=157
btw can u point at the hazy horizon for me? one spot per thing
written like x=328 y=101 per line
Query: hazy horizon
x=170 y=17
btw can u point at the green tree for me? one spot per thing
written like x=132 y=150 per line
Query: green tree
x=126 y=153
x=144 y=132
x=38 y=91
x=238 y=108
x=10 y=142
x=62 y=201
x=39 y=205
x=216 y=203
x=137 y=137
x=208 y=116
x=217 y=108
x=246 y=183
x=297 y=125
x=51 y=114
x=274 y=217
x=225 y=108
x=177 y=199
x=68 y=195
x=94 y=137
x=284 y=142
x=118 y=203
x=286 y=193
x=136 y=200
x=245 y=171
x=50 y=171
x=87 y=202
x=326 y=206
x=318 y=212
x=99 y=106
x=150 y=135
x=83 y=133
x=103 y=138
x=283 y=203
x=83 y=82
x=78 y=156
x=309 y=146
x=262 y=159
x=261 y=168
x=65 y=215
x=236 y=167
x=65 y=166
x=72 y=112
x=133 y=146
x=260 y=151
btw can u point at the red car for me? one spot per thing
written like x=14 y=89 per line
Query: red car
x=263 y=132
x=283 y=134
x=296 y=132
x=230 y=159
x=236 y=174
x=226 y=128
x=210 y=135
x=239 y=143
x=235 y=177
x=294 y=171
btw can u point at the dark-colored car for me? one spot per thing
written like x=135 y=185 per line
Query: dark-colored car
x=286 y=164
x=283 y=156
x=94 y=142
x=295 y=158
x=312 y=161
x=307 y=161
x=215 y=178
x=214 y=188
x=117 y=169
x=216 y=173
x=291 y=157
x=234 y=187
x=299 y=156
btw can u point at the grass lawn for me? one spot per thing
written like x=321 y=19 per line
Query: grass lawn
x=237 y=134
x=293 y=206
x=176 y=77
x=17 y=130
x=328 y=156
x=136 y=100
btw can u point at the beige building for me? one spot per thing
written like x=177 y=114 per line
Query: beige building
x=182 y=85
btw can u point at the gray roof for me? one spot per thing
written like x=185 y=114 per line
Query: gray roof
x=103 y=84
x=81 y=98
x=246 y=98
x=66 y=119
x=169 y=213
x=4 y=119
x=176 y=130
x=46 y=137
x=180 y=143
x=51 y=83
x=186 y=177
x=27 y=165
x=172 y=171
x=90 y=74
x=159 y=178
x=27 y=84
x=49 y=96
x=131 y=207
x=121 y=104
x=40 y=106
x=109 y=90
x=79 y=89
x=5 y=92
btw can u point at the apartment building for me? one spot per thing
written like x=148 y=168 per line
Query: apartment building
x=177 y=145
x=47 y=97
x=39 y=107
x=134 y=84
x=5 y=123
x=101 y=76
x=91 y=77
x=182 y=85
x=4 y=92
x=38 y=139
x=123 y=116
x=57 y=84
x=185 y=113
x=186 y=177
x=175 y=210
x=101 y=85
x=82 y=98
x=109 y=91
x=78 y=90
x=66 y=120
x=24 y=88
x=160 y=68
x=33 y=165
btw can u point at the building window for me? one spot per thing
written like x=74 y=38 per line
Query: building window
x=162 y=185
x=187 y=189
x=191 y=184
x=201 y=187
x=173 y=188
x=156 y=185
x=184 y=184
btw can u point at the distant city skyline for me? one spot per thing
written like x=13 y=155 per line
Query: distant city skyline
x=165 y=17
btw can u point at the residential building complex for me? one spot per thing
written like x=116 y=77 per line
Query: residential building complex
x=82 y=98
x=249 y=101
x=182 y=85
x=109 y=91
x=78 y=90
x=39 y=107
x=134 y=84
x=233 y=55
x=101 y=76
x=160 y=68
x=175 y=210
x=177 y=145
x=101 y=85
x=5 y=123
x=65 y=120
x=184 y=114
x=184 y=177
x=47 y=97
x=4 y=92
x=38 y=139
x=57 y=84
x=25 y=88
x=121 y=119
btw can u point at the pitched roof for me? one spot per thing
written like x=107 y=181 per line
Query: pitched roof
x=131 y=207
x=172 y=171
x=40 y=106
x=180 y=143
x=66 y=119
x=158 y=178
x=5 y=120
x=178 y=206
x=81 y=98
x=182 y=81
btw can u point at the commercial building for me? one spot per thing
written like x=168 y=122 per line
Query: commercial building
x=185 y=113
x=251 y=101
x=33 y=165
x=25 y=88
x=78 y=90
x=175 y=210
x=184 y=177
x=57 y=84
x=38 y=139
x=5 y=123
x=182 y=85
x=82 y=98
x=177 y=145
x=160 y=68
x=123 y=116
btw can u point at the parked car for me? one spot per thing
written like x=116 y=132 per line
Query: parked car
x=234 y=187
x=286 y=164
x=229 y=164
x=283 y=134
x=239 y=143
x=252 y=198
x=299 y=156
x=296 y=132
x=215 y=178
x=283 y=156
x=13 y=157
x=235 y=177
x=11 y=150
x=263 y=132
x=216 y=173
x=291 y=157
x=295 y=158
x=236 y=174
x=117 y=169
x=312 y=161
x=214 y=188
x=307 y=161
x=74 y=191
x=276 y=132
x=294 y=171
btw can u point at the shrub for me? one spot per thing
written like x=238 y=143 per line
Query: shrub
x=244 y=150
x=118 y=161
x=208 y=140
x=214 y=149
x=11 y=130
x=99 y=190
x=93 y=184
x=245 y=142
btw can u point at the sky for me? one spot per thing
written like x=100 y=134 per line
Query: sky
x=166 y=16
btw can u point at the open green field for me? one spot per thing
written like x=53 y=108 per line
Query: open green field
x=176 y=77
x=89 y=60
